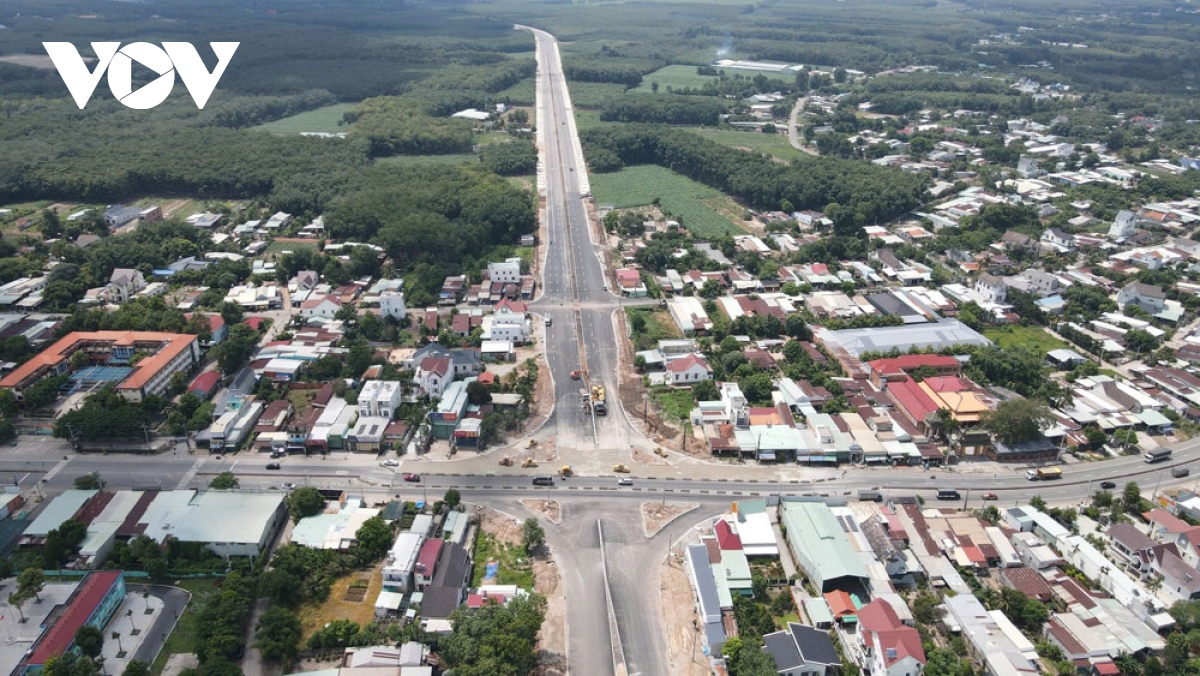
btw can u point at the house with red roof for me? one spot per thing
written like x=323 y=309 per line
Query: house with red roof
x=427 y=561
x=629 y=281
x=688 y=370
x=433 y=375
x=205 y=385
x=727 y=538
x=890 y=648
x=217 y=330
x=93 y=604
x=898 y=368
x=324 y=307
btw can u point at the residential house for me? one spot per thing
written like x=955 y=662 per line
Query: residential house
x=509 y=322
x=325 y=307
x=1056 y=239
x=507 y=272
x=305 y=280
x=991 y=288
x=1041 y=282
x=1180 y=580
x=1124 y=226
x=629 y=281
x=118 y=215
x=433 y=374
x=1016 y=240
x=801 y=650
x=889 y=646
x=688 y=370
x=1152 y=299
x=391 y=304
x=124 y=284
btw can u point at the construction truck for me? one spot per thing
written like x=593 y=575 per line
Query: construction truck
x=529 y=462
x=621 y=469
x=586 y=398
x=598 y=404
x=565 y=471
x=1044 y=473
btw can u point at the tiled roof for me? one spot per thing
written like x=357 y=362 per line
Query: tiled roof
x=83 y=603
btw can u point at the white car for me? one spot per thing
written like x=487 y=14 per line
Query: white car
x=625 y=481
x=287 y=485
x=391 y=463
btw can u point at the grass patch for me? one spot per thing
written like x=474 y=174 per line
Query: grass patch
x=588 y=119
x=416 y=160
x=682 y=197
x=186 y=636
x=325 y=120
x=514 y=568
x=594 y=94
x=685 y=77
x=291 y=245
x=1029 y=337
x=657 y=325
x=521 y=94
x=341 y=605
x=775 y=145
x=790 y=617
x=675 y=404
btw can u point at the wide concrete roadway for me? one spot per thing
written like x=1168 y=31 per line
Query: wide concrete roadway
x=575 y=295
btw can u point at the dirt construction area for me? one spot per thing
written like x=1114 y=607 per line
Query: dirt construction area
x=684 y=642
x=552 y=640
x=351 y=598
x=656 y=515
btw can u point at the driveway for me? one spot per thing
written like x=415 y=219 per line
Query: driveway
x=174 y=600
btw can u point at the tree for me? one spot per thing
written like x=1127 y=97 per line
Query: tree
x=495 y=640
x=1095 y=436
x=1131 y=498
x=478 y=393
x=8 y=403
x=224 y=481
x=136 y=668
x=236 y=349
x=925 y=608
x=532 y=535
x=30 y=582
x=374 y=537
x=452 y=499
x=89 y=482
x=304 y=502
x=18 y=600
x=278 y=634
x=232 y=313
x=1018 y=420
x=1140 y=341
x=90 y=641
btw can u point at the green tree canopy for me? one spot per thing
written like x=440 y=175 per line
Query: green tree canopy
x=304 y=502
x=1018 y=420
x=495 y=640
x=374 y=537
x=278 y=634
x=224 y=481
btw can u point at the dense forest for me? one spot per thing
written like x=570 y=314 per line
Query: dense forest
x=691 y=110
x=861 y=194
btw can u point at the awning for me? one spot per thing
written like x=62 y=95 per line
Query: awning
x=766 y=456
x=831 y=457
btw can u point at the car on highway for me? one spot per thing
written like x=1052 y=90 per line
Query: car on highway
x=391 y=463
x=412 y=477
x=1107 y=485
x=287 y=485
x=274 y=465
x=625 y=481
x=990 y=496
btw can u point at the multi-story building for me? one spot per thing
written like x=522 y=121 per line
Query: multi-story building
x=379 y=398
x=146 y=360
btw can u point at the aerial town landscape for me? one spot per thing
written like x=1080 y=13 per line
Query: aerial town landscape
x=795 y=337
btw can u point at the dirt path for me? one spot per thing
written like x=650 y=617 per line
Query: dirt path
x=684 y=643
x=171 y=207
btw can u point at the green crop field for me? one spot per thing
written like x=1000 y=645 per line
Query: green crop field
x=686 y=200
x=520 y=94
x=594 y=94
x=776 y=145
x=320 y=120
x=683 y=77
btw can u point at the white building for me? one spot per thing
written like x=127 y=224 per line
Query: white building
x=391 y=304
x=402 y=561
x=379 y=398
x=509 y=322
x=508 y=272
x=124 y=283
x=688 y=370
x=991 y=288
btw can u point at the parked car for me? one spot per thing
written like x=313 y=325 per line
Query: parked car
x=1108 y=485
x=990 y=496
x=287 y=485
x=412 y=477
x=625 y=481
x=274 y=465
x=391 y=463
x=278 y=454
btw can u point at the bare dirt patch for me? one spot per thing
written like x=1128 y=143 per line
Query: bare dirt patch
x=680 y=622
x=348 y=600
x=547 y=508
x=642 y=457
x=32 y=60
x=656 y=515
